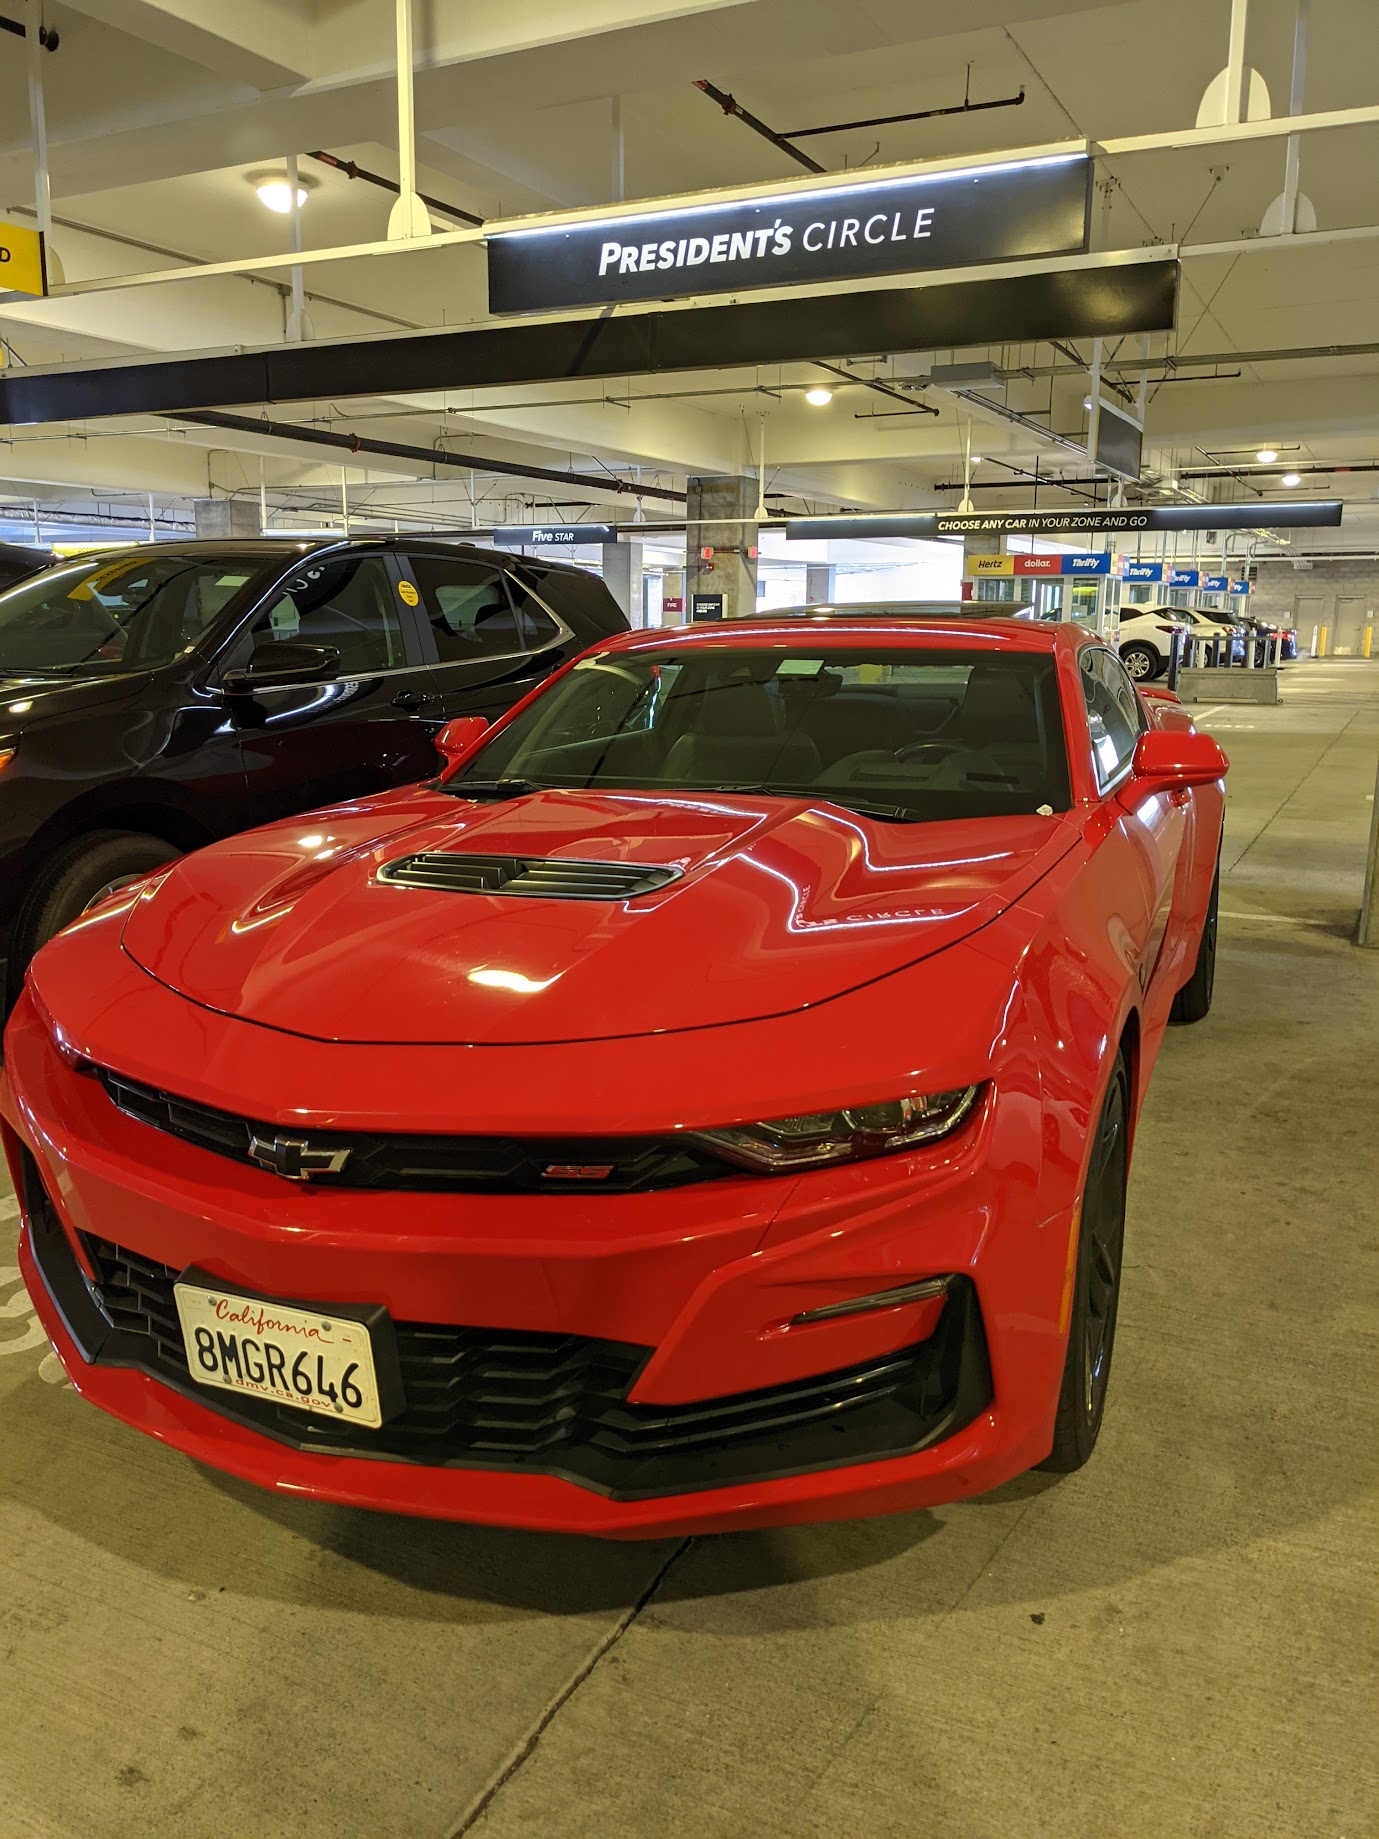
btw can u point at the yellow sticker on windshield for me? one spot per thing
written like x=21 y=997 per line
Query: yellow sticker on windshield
x=407 y=592
x=101 y=578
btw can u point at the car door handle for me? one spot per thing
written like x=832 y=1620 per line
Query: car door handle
x=411 y=700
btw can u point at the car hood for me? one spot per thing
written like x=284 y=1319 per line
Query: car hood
x=780 y=904
x=27 y=700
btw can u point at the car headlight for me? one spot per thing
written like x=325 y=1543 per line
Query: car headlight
x=784 y=1144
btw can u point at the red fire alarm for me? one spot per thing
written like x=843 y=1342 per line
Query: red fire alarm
x=706 y=554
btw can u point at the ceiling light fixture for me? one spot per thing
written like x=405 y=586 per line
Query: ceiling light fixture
x=1267 y=455
x=274 y=191
x=818 y=397
x=1291 y=479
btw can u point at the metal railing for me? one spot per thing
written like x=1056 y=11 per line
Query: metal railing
x=1191 y=651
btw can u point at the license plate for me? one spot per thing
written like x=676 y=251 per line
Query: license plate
x=312 y=1359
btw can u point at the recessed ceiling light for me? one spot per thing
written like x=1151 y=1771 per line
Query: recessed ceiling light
x=1291 y=479
x=1086 y=402
x=1266 y=456
x=818 y=397
x=274 y=191
x=976 y=459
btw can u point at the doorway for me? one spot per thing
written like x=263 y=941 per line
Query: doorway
x=1351 y=619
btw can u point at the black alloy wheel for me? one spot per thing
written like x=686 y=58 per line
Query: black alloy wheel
x=1194 y=999
x=1096 y=1283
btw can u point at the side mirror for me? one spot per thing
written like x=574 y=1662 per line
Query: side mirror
x=1167 y=761
x=459 y=737
x=280 y=663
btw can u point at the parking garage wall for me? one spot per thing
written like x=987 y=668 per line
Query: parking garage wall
x=1342 y=596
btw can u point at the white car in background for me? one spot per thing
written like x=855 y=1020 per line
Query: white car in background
x=1146 y=639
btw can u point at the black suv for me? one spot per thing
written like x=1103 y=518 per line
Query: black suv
x=155 y=698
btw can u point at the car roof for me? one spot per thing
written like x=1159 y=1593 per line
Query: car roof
x=903 y=632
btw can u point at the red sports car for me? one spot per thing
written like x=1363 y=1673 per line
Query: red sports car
x=706 y=1106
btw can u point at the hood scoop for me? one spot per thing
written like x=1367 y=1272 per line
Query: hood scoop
x=546 y=877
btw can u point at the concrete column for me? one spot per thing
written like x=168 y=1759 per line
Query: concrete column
x=622 y=576
x=221 y=517
x=819 y=580
x=722 y=516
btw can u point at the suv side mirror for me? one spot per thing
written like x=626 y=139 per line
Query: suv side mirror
x=459 y=737
x=279 y=663
x=1168 y=761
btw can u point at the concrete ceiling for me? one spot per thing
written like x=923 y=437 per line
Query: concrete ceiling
x=160 y=113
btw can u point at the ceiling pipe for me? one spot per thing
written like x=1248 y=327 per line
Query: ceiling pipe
x=426 y=456
x=966 y=107
x=47 y=37
x=731 y=106
x=352 y=170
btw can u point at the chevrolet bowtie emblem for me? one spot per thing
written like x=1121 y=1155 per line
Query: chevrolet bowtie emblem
x=294 y=1158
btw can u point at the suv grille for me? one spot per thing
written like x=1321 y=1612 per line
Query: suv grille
x=433 y=1164
x=550 y=877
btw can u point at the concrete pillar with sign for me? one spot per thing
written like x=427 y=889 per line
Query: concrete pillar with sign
x=622 y=576
x=721 y=518
x=221 y=517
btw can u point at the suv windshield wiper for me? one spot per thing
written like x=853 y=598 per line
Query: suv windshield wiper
x=491 y=788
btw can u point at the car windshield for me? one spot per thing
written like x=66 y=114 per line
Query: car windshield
x=105 y=614
x=904 y=735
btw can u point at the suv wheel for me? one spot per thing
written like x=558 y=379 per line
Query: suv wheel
x=1141 y=661
x=80 y=873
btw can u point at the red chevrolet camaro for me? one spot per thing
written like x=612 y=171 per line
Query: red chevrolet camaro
x=706 y=1106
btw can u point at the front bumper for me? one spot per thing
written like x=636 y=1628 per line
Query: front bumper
x=626 y=1366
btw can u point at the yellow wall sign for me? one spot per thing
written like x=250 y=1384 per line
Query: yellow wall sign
x=23 y=269
x=989 y=565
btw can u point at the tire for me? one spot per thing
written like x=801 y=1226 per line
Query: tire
x=1194 y=999
x=71 y=879
x=1096 y=1284
x=1142 y=663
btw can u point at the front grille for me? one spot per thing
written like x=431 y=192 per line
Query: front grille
x=551 y=1404
x=549 y=877
x=430 y=1164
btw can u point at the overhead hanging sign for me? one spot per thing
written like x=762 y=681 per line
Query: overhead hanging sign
x=1215 y=584
x=1143 y=571
x=23 y=263
x=1309 y=514
x=1183 y=577
x=1240 y=587
x=554 y=536
x=1005 y=212
x=978 y=567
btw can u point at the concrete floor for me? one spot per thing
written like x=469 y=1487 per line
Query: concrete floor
x=1178 y=1641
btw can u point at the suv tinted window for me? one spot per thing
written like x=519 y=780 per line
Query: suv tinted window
x=140 y=610
x=345 y=602
x=538 y=628
x=468 y=608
